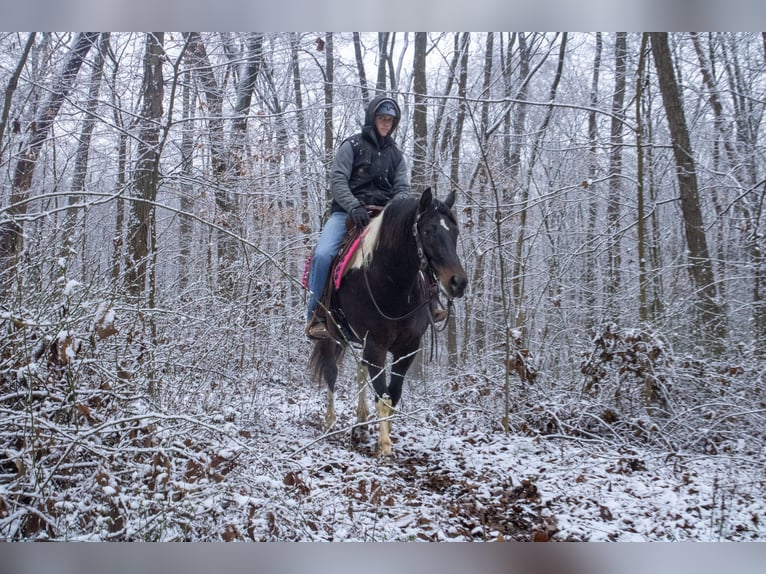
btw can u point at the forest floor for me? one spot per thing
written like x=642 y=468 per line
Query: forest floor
x=456 y=475
x=249 y=460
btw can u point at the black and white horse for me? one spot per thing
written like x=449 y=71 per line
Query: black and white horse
x=384 y=301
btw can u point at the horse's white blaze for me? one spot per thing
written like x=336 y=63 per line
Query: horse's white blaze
x=443 y=223
x=363 y=253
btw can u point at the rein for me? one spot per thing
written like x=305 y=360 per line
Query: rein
x=421 y=276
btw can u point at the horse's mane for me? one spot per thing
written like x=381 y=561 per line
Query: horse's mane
x=398 y=218
x=385 y=231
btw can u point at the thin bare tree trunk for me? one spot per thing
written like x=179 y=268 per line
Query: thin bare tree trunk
x=590 y=266
x=437 y=132
x=455 y=172
x=380 y=85
x=420 y=113
x=83 y=151
x=713 y=327
x=186 y=227
x=11 y=229
x=118 y=243
x=643 y=304
x=524 y=208
x=329 y=132
x=13 y=83
x=147 y=166
x=360 y=69
x=301 y=122
x=614 y=255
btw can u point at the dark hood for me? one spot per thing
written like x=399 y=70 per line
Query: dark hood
x=369 y=117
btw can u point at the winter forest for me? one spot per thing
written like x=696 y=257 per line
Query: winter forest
x=602 y=379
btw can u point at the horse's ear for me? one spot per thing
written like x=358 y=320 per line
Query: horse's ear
x=425 y=199
x=450 y=201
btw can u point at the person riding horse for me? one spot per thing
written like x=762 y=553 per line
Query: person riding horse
x=368 y=169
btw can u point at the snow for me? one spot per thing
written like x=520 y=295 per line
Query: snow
x=70 y=287
x=249 y=460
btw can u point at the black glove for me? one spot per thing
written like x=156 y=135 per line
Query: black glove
x=359 y=216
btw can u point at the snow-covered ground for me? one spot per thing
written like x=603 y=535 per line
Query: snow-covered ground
x=248 y=459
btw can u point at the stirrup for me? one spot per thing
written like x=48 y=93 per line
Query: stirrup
x=316 y=329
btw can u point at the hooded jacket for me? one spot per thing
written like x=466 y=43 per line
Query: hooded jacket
x=368 y=169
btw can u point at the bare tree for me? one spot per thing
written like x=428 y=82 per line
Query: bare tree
x=146 y=171
x=420 y=111
x=329 y=97
x=11 y=229
x=713 y=329
x=457 y=136
x=614 y=257
x=360 y=69
x=83 y=149
x=300 y=121
x=590 y=266
x=13 y=83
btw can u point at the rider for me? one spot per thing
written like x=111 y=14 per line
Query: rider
x=368 y=169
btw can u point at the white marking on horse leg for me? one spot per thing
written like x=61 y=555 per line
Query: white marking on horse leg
x=384 y=410
x=329 y=418
x=362 y=410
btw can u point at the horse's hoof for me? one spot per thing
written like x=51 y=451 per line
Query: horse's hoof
x=360 y=435
x=386 y=459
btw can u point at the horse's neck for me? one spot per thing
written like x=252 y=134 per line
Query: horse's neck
x=398 y=268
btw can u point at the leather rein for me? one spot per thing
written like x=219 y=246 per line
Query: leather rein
x=424 y=268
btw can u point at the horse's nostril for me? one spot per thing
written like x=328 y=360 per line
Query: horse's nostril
x=458 y=285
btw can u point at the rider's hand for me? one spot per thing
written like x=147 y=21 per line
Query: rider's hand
x=359 y=216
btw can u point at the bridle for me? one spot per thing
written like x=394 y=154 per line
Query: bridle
x=425 y=269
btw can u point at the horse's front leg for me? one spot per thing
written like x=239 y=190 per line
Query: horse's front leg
x=375 y=357
x=384 y=410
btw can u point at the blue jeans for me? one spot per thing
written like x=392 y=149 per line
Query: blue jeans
x=327 y=247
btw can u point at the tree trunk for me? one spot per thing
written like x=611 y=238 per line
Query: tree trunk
x=146 y=172
x=185 y=224
x=614 y=256
x=518 y=275
x=360 y=69
x=228 y=215
x=13 y=83
x=11 y=230
x=437 y=131
x=329 y=132
x=118 y=243
x=420 y=113
x=83 y=151
x=455 y=172
x=380 y=86
x=301 y=123
x=590 y=265
x=643 y=304
x=711 y=315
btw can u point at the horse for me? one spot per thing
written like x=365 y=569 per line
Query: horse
x=384 y=300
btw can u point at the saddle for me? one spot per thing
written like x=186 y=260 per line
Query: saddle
x=351 y=241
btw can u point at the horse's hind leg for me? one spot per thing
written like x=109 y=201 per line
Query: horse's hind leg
x=329 y=417
x=360 y=433
x=326 y=355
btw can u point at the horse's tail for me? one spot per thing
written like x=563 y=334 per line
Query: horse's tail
x=323 y=363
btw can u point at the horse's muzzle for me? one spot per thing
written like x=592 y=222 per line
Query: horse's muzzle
x=457 y=284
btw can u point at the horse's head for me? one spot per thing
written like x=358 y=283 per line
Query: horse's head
x=438 y=231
